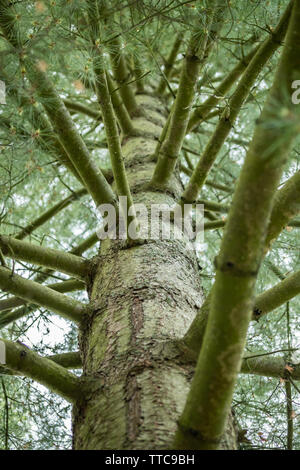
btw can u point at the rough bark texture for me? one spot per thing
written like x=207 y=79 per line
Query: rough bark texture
x=144 y=298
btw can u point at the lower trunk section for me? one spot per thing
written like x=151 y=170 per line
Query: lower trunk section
x=137 y=405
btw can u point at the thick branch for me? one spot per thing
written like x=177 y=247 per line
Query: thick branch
x=208 y=403
x=45 y=371
x=118 y=62
x=286 y=206
x=70 y=360
x=48 y=257
x=220 y=223
x=294 y=223
x=41 y=295
x=68 y=134
x=63 y=287
x=277 y=295
x=268 y=367
x=9 y=317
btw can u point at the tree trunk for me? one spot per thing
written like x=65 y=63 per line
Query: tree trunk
x=143 y=298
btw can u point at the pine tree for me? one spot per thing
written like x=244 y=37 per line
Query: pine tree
x=175 y=103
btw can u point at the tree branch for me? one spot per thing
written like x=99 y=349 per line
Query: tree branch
x=81 y=108
x=169 y=65
x=203 y=420
x=213 y=206
x=39 y=120
x=63 y=287
x=62 y=122
x=286 y=206
x=109 y=120
x=85 y=245
x=268 y=367
x=231 y=111
x=59 y=116
x=193 y=62
x=120 y=109
x=285 y=201
x=220 y=223
x=48 y=214
x=208 y=182
x=14 y=315
x=139 y=74
x=58 y=260
x=263 y=304
x=121 y=77
x=41 y=295
x=69 y=360
x=277 y=295
x=201 y=113
x=53 y=376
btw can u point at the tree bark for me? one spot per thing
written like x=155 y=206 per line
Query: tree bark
x=144 y=298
